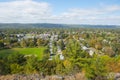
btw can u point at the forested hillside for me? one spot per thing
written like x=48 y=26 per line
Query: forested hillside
x=50 y=25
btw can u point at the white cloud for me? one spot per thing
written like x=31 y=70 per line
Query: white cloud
x=112 y=8
x=27 y=11
x=24 y=11
x=103 y=15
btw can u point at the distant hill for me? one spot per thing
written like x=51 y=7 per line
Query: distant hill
x=50 y=25
x=37 y=25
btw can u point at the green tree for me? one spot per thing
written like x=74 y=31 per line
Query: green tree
x=23 y=43
x=61 y=44
x=1 y=44
x=16 y=68
x=31 y=65
x=31 y=43
x=96 y=68
x=16 y=58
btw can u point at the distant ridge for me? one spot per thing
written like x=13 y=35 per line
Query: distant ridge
x=51 y=25
x=30 y=25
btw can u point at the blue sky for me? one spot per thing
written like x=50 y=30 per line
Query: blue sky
x=66 y=4
x=60 y=11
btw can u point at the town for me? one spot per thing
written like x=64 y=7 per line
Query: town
x=60 y=51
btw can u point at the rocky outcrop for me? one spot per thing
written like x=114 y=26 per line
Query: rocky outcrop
x=21 y=77
x=117 y=76
x=78 y=76
x=113 y=76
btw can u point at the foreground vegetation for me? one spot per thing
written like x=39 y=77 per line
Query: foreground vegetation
x=93 y=52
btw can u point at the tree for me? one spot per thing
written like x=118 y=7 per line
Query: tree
x=113 y=64
x=31 y=43
x=98 y=46
x=1 y=45
x=61 y=44
x=109 y=51
x=4 y=67
x=49 y=67
x=92 y=42
x=68 y=66
x=87 y=35
x=16 y=68
x=96 y=68
x=16 y=58
x=23 y=43
x=60 y=69
x=1 y=66
x=41 y=42
x=31 y=65
x=73 y=50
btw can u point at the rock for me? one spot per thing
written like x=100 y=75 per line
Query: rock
x=72 y=77
x=117 y=76
x=78 y=76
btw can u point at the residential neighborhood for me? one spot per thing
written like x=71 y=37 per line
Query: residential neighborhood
x=61 y=51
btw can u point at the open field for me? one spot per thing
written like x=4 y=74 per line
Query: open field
x=34 y=51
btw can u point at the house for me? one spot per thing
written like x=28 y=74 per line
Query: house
x=91 y=52
x=61 y=57
x=81 y=39
x=84 y=48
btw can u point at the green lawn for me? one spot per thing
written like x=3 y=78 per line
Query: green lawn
x=34 y=51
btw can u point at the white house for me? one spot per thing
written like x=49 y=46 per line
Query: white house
x=61 y=57
x=84 y=48
x=91 y=52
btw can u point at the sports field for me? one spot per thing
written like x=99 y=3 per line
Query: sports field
x=27 y=51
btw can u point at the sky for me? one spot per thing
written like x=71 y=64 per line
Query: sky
x=103 y=12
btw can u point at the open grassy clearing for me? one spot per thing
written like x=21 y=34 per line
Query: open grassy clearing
x=34 y=51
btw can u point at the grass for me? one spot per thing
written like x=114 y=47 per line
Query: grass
x=34 y=51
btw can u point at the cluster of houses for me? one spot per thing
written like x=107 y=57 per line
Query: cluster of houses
x=44 y=36
x=90 y=51
x=54 y=37
x=59 y=52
